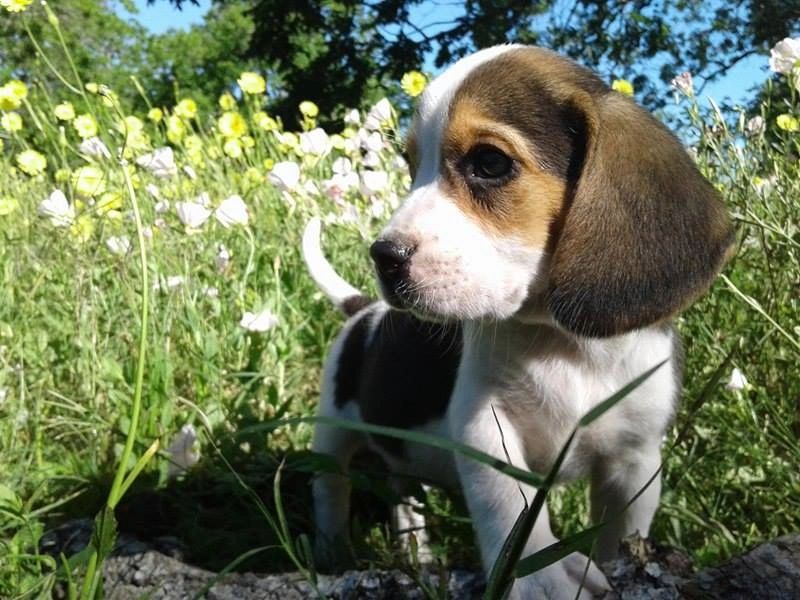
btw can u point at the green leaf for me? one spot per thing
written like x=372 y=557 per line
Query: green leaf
x=580 y=542
x=609 y=402
x=104 y=533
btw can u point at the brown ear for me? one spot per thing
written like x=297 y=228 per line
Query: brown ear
x=644 y=234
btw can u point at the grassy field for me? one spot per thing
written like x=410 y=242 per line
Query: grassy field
x=71 y=310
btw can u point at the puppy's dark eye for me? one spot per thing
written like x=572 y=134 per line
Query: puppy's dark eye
x=490 y=163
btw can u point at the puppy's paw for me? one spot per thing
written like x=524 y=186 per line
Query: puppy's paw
x=333 y=555
x=563 y=580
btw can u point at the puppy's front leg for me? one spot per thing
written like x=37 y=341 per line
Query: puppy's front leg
x=496 y=500
x=615 y=481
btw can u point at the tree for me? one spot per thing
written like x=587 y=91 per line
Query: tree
x=339 y=51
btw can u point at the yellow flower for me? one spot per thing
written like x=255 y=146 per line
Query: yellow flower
x=186 y=108
x=309 y=109
x=788 y=122
x=85 y=125
x=232 y=125
x=61 y=175
x=265 y=122
x=233 y=148
x=8 y=100
x=252 y=175
x=227 y=102
x=337 y=141
x=92 y=87
x=175 y=129
x=248 y=142
x=31 y=162
x=252 y=83
x=155 y=114
x=109 y=96
x=15 y=5
x=268 y=164
x=623 y=86
x=413 y=83
x=89 y=181
x=8 y=205
x=82 y=229
x=109 y=201
x=11 y=122
x=18 y=88
x=64 y=111
x=130 y=124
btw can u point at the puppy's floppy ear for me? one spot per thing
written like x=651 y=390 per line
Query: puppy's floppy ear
x=644 y=233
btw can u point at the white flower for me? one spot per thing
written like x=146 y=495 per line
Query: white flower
x=223 y=258
x=211 y=291
x=784 y=55
x=203 y=199
x=182 y=453
x=161 y=206
x=232 y=211
x=377 y=209
x=349 y=214
x=373 y=142
x=118 y=244
x=174 y=281
x=737 y=381
x=378 y=115
x=94 y=147
x=683 y=83
x=399 y=163
x=3 y=395
x=56 y=207
x=342 y=166
x=259 y=322
x=152 y=189
x=338 y=185
x=190 y=172
x=755 y=126
x=352 y=117
x=315 y=142
x=285 y=175
x=192 y=214
x=373 y=182
x=372 y=160
x=160 y=162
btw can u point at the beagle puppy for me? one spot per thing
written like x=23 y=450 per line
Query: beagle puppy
x=552 y=231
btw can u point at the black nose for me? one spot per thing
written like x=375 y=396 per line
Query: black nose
x=390 y=257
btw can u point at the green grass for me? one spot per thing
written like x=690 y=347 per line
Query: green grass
x=70 y=315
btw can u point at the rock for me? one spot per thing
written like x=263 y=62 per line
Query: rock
x=770 y=571
x=160 y=577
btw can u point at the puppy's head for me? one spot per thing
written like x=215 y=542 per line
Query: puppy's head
x=535 y=185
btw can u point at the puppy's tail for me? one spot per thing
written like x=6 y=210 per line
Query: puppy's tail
x=346 y=298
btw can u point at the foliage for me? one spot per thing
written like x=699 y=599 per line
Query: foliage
x=236 y=330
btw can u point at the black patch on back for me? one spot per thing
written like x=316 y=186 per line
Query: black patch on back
x=348 y=371
x=409 y=370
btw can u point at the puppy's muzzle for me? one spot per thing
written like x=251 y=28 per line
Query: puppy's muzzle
x=392 y=258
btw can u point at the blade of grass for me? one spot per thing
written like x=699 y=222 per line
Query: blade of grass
x=409 y=436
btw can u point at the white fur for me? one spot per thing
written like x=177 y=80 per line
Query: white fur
x=522 y=370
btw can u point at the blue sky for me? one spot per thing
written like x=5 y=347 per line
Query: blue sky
x=161 y=16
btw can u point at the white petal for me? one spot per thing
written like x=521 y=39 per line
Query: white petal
x=56 y=207
x=352 y=117
x=118 y=244
x=192 y=214
x=232 y=211
x=160 y=162
x=737 y=381
x=285 y=175
x=182 y=454
x=315 y=142
x=378 y=115
x=373 y=182
x=259 y=322
x=342 y=166
x=94 y=147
